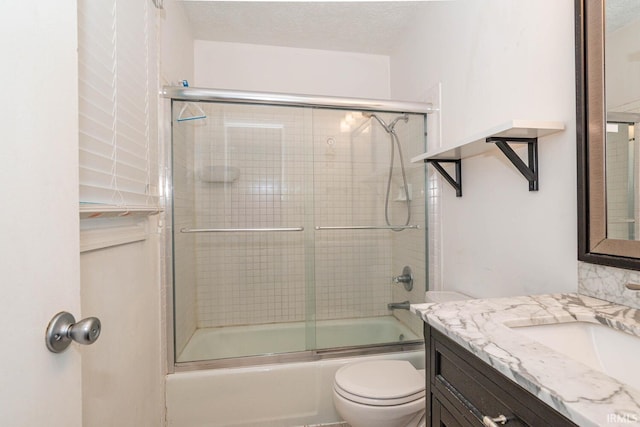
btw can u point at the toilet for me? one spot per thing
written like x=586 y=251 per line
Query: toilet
x=445 y=296
x=385 y=393
x=380 y=393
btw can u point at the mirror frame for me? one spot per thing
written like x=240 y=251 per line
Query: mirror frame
x=593 y=245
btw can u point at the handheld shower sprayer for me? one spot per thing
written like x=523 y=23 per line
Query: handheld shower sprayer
x=390 y=129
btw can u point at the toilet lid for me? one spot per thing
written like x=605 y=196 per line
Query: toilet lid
x=380 y=382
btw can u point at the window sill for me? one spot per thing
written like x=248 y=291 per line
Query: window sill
x=104 y=226
x=92 y=211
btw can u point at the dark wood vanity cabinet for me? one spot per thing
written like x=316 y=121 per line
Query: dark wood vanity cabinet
x=462 y=390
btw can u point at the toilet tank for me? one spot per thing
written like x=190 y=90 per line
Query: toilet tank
x=444 y=296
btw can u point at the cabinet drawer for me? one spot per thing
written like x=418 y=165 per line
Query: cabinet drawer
x=474 y=389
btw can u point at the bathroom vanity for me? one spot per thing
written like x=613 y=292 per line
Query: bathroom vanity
x=491 y=361
x=462 y=389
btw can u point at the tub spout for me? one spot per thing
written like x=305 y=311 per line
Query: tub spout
x=398 y=305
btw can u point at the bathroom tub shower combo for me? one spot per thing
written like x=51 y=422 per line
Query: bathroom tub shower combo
x=289 y=218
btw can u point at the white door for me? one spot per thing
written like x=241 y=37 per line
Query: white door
x=39 y=256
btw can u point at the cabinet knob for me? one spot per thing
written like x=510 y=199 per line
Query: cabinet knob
x=493 y=422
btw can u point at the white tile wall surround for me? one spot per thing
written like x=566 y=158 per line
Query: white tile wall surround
x=434 y=219
x=184 y=247
x=246 y=278
x=409 y=247
x=617 y=171
x=298 y=168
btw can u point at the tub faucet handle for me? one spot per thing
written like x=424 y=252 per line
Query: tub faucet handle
x=406 y=278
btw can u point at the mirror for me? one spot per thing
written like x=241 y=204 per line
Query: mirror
x=608 y=96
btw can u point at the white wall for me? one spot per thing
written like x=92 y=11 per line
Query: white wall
x=500 y=60
x=279 y=69
x=176 y=44
x=123 y=379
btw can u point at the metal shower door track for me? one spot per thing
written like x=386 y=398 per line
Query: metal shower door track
x=194 y=94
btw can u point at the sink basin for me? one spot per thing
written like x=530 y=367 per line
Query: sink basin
x=604 y=349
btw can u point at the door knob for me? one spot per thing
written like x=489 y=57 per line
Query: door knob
x=63 y=329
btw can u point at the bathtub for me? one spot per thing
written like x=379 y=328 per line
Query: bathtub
x=279 y=394
x=283 y=395
x=278 y=338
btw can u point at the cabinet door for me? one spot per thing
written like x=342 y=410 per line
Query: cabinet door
x=442 y=417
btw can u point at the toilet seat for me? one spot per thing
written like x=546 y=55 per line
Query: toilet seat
x=380 y=383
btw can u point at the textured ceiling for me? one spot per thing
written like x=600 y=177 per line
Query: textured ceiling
x=356 y=26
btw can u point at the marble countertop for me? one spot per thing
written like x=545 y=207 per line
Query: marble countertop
x=586 y=396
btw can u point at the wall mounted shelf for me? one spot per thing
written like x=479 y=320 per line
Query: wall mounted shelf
x=513 y=131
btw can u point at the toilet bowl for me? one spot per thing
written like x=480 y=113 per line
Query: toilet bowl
x=380 y=393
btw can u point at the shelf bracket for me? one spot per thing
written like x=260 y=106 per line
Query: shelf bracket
x=530 y=170
x=455 y=183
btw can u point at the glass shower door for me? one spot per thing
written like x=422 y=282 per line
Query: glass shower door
x=356 y=252
x=241 y=266
x=280 y=236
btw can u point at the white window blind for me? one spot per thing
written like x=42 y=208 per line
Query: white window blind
x=118 y=73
